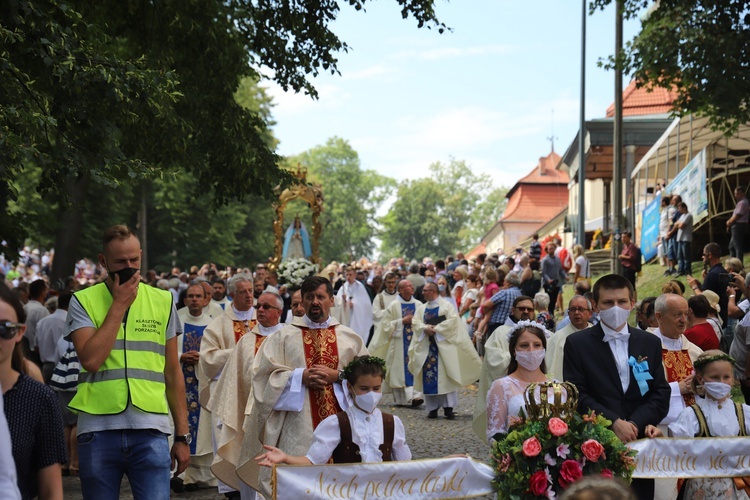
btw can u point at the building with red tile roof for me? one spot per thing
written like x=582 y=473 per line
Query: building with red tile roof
x=533 y=201
x=641 y=101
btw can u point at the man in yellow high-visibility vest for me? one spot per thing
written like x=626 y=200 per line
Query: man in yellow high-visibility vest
x=125 y=334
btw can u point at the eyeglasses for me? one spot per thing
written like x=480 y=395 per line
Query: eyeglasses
x=573 y=310
x=525 y=309
x=8 y=330
x=267 y=306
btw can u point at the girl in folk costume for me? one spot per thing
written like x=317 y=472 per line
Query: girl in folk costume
x=361 y=433
x=714 y=414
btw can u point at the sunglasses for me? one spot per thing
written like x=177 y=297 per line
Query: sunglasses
x=266 y=306
x=8 y=330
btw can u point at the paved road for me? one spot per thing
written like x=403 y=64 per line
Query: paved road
x=426 y=438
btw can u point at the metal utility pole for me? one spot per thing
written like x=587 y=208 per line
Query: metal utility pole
x=617 y=173
x=582 y=136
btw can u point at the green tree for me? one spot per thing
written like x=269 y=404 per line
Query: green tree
x=111 y=93
x=442 y=213
x=352 y=197
x=699 y=49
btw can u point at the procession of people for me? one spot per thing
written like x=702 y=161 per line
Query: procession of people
x=228 y=373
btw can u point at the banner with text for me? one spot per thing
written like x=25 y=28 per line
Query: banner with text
x=692 y=457
x=433 y=478
x=690 y=184
x=650 y=229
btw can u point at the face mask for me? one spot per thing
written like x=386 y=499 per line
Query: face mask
x=124 y=274
x=430 y=279
x=368 y=401
x=614 y=317
x=531 y=360
x=441 y=288
x=717 y=390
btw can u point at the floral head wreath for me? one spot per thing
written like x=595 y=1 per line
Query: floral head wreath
x=701 y=362
x=360 y=360
x=526 y=323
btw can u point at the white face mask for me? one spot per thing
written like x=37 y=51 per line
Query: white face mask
x=531 y=360
x=717 y=390
x=368 y=401
x=615 y=317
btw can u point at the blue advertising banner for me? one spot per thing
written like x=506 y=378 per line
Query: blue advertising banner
x=650 y=229
x=690 y=183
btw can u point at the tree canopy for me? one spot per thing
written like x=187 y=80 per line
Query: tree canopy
x=697 y=48
x=105 y=94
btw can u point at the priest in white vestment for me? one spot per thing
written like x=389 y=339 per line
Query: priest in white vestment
x=678 y=355
x=391 y=342
x=296 y=380
x=579 y=313
x=231 y=398
x=219 y=296
x=382 y=301
x=441 y=355
x=354 y=305
x=210 y=308
x=221 y=337
x=194 y=323
x=496 y=360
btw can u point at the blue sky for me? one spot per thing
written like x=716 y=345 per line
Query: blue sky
x=489 y=93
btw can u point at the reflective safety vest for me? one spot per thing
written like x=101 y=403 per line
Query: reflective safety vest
x=134 y=369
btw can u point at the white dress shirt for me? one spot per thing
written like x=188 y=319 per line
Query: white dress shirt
x=619 y=347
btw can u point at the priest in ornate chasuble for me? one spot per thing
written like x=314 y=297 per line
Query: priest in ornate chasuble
x=223 y=333
x=296 y=381
x=194 y=322
x=579 y=312
x=442 y=357
x=382 y=301
x=354 y=304
x=678 y=354
x=231 y=398
x=496 y=360
x=391 y=342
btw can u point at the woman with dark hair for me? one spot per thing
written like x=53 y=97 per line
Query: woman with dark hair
x=700 y=333
x=32 y=411
x=527 y=343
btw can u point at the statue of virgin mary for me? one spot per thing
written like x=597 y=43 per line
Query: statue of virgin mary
x=296 y=242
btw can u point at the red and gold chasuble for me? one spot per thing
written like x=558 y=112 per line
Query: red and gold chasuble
x=678 y=365
x=242 y=327
x=258 y=341
x=321 y=349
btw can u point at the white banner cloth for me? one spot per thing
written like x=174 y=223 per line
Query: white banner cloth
x=692 y=457
x=432 y=478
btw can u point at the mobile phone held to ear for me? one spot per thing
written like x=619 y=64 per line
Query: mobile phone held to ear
x=125 y=274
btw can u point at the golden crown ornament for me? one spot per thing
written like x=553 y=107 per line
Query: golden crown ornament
x=564 y=402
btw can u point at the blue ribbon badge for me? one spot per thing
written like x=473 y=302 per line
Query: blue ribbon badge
x=640 y=373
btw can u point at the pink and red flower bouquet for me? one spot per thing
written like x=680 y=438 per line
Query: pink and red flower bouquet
x=540 y=458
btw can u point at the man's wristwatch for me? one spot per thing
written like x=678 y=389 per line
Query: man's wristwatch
x=341 y=375
x=185 y=438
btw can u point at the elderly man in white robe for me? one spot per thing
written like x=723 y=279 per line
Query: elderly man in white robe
x=296 y=380
x=441 y=355
x=496 y=360
x=579 y=312
x=194 y=322
x=231 y=398
x=219 y=340
x=391 y=342
x=678 y=355
x=354 y=305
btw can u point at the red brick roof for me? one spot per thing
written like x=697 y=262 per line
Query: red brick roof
x=643 y=101
x=538 y=197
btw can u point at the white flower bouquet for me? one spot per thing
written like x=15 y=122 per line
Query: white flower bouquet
x=292 y=272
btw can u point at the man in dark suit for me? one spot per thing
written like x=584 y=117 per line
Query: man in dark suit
x=598 y=360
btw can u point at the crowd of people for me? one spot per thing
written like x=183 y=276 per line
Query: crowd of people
x=254 y=372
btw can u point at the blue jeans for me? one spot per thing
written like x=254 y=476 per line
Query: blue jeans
x=105 y=456
x=684 y=257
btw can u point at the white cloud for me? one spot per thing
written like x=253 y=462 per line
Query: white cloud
x=432 y=54
x=290 y=103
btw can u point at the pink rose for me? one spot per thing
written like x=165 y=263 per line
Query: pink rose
x=606 y=473
x=570 y=472
x=592 y=450
x=538 y=483
x=557 y=427
x=532 y=447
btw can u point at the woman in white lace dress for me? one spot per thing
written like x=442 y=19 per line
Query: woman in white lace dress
x=527 y=343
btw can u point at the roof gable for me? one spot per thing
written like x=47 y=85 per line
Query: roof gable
x=644 y=101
